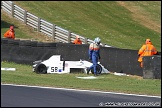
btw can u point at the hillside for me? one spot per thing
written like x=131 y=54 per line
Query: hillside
x=120 y=24
x=22 y=31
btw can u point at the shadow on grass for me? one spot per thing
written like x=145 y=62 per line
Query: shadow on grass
x=6 y=24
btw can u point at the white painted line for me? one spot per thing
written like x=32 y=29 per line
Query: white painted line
x=83 y=90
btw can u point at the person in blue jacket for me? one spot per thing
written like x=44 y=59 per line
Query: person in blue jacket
x=94 y=54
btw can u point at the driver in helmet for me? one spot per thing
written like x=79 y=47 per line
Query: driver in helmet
x=94 y=54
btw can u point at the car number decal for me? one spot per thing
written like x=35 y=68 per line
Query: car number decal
x=55 y=69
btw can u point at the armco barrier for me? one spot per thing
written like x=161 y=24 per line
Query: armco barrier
x=26 y=52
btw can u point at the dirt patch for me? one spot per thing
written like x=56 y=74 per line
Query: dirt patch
x=136 y=77
x=139 y=17
x=129 y=75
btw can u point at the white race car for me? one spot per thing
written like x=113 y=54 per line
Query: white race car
x=55 y=65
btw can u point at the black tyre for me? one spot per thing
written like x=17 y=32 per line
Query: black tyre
x=41 y=69
x=99 y=69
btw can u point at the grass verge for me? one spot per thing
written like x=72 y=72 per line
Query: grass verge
x=105 y=82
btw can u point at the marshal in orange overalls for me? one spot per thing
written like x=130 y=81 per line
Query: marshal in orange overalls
x=77 y=40
x=146 y=50
x=10 y=34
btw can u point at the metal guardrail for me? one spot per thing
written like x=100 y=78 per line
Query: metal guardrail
x=57 y=33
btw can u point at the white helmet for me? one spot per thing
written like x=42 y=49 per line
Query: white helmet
x=97 y=40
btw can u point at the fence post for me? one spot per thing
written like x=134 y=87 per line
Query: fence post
x=85 y=40
x=69 y=37
x=12 y=9
x=103 y=44
x=53 y=31
x=38 y=29
x=25 y=16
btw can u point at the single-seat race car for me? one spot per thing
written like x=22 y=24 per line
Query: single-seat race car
x=55 y=65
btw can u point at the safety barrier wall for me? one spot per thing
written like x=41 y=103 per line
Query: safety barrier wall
x=114 y=59
x=57 y=33
x=26 y=52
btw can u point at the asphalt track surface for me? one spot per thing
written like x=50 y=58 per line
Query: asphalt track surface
x=24 y=96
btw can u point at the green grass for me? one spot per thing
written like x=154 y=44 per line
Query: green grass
x=105 y=82
x=123 y=26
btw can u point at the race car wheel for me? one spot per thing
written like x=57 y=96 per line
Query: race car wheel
x=99 y=69
x=41 y=69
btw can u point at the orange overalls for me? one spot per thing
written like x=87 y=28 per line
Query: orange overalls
x=77 y=41
x=146 y=50
x=10 y=34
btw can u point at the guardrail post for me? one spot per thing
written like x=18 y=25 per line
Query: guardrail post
x=85 y=40
x=25 y=18
x=12 y=9
x=102 y=44
x=38 y=29
x=69 y=37
x=53 y=31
